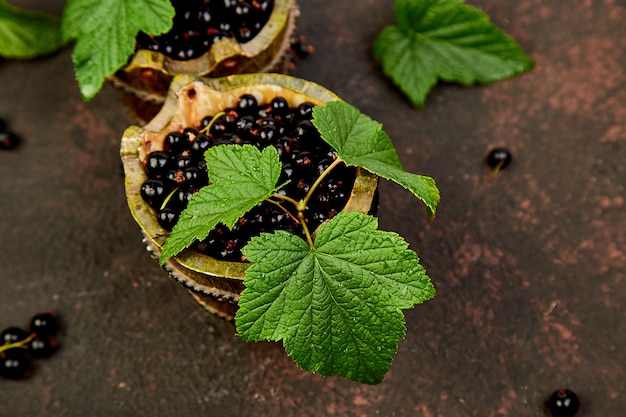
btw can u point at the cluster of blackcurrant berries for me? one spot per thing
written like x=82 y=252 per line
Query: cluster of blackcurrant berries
x=8 y=139
x=200 y=23
x=179 y=170
x=563 y=403
x=18 y=347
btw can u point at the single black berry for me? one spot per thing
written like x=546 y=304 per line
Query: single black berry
x=158 y=163
x=14 y=364
x=499 y=158
x=563 y=403
x=154 y=192
x=41 y=347
x=12 y=335
x=247 y=104
x=176 y=143
x=167 y=218
x=8 y=140
x=44 y=324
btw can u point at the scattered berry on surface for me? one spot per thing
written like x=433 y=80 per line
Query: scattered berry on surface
x=14 y=364
x=563 y=403
x=12 y=335
x=8 y=139
x=499 y=158
x=44 y=324
x=41 y=347
x=17 y=346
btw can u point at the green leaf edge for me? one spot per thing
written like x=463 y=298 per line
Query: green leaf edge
x=418 y=100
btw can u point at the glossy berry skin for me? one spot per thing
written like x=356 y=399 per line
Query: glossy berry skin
x=154 y=192
x=44 y=324
x=12 y=335
x=8 y=140
x=14 y=364
x=158 y=163
x=41 y=347
x=563 y=403
x=499 y=158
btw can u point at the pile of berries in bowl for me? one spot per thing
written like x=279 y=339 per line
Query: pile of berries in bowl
x=164 y=167
x=209 y=38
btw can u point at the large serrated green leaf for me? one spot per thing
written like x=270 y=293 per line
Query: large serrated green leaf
x=445 y=40
x=105 y=34
x=241 y=177
x=360 y=141
x=337 y=306
x=27 y=34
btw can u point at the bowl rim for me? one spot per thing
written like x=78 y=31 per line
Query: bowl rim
x=280 y=24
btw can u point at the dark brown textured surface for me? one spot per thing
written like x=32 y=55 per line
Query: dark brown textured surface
x=529 y=264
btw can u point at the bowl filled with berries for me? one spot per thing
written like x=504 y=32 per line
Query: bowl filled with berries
x=209 y=38
x=165 y=166
x=258 y=192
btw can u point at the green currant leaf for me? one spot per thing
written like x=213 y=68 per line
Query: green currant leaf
x=105 y=34
x=360 y=141
x=241 y=177
x=337 y=306
x=447 y=40
x=27 y=34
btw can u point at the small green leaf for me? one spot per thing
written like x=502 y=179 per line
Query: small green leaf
x=447 y=40
x=337 y=307
x=360 y=141
x=27 y=34
x=241 y=177
x=105 y=34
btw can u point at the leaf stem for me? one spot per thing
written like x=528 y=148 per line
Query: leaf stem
x=287 y=198
x=309 y=239
x=319 y=180
x=296 y=221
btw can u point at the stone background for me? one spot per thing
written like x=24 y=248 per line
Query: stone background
x=529 y=264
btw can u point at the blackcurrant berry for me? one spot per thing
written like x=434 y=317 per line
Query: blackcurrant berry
x=247 y=104
x=305 y=110
x=195 y=176
x=41 y=347
x=176 y=143
x=12 y=335
x=279 y=105
x=14 y=364
x=153 y=192
x=200 y=145
x=499 y=158
x=563 y=403
x=44 y=324
x=167 y=218
x=158 y=163
x=8 y=140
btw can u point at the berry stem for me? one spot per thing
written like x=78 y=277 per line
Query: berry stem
x=496 y=169
x=212 y=122
x=18 y=344
x=168 y=198
x=319 y=180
